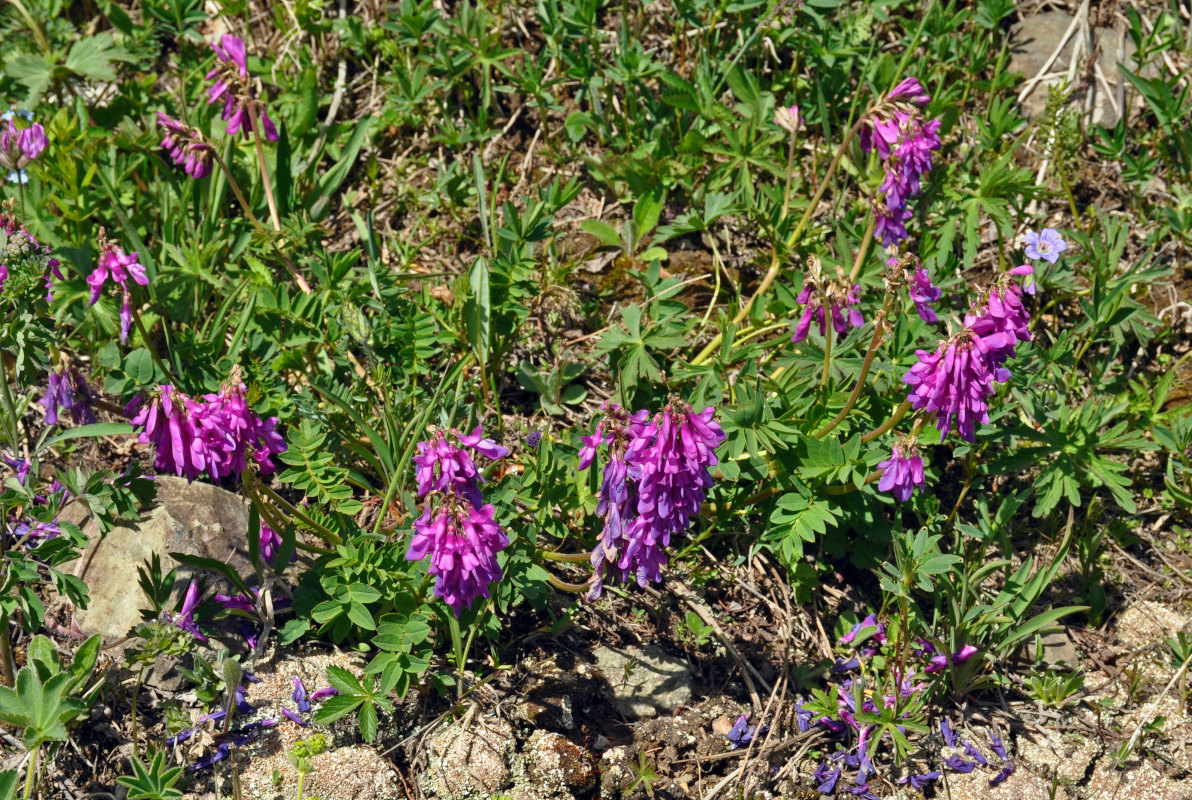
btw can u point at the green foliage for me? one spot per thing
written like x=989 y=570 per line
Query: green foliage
x=363 y=698
x=152 y=781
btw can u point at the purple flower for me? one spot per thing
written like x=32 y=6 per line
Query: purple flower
x=20 y=146
x=823 y=299
x=788 y=118
x=920 y=781
x=741 y=734
x=185 y=618
x=924 y=293
x=954 y=383
x=295 y=718
x=909 y=90
x=974 y=753
x=940 y=662
x=115 y=264
x=533 y=439
x=958 y=764
x=22 y=467
x=996 y=745
x=442 y=466
x=1006 y=771
x=69 y=390
x=462 y=544
x=216 y=433
x=186 y=146
x=238 y=602
x=904 y=144
x=323 y=694
x=299 y=695
x=946 y=731
x=1047 y=245
x=902 y=472
x=826 y=777
x=234 y=87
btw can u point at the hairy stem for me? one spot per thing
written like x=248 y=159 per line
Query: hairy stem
x=878 y=333
x=894 y=419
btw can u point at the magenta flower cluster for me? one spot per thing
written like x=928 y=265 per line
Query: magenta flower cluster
x=956 y=381
x=19 y=146
x=186 y=146
x=118 y=267
x=214 y=433
x=827 y=298
x=457 y=530
x=232 y=85
x=656 y=477
x=905 y=143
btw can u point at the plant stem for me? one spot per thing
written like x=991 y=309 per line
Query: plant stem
x=32 y=773
x=329 y=535
x=830 y=334
x=894 y=419
x=566 y=558
x=301 y=780
x=265 y=179
x=457 y=646
x=136 y=693
x=136 y=318
x=302 y=284
x=878 y=332
x=564 y=586
x=7 y=671
x=866 y=240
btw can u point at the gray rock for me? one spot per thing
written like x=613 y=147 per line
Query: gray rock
x=1058 y=649
x=193 y=518
x=646 y=681
x=468 y=760
x=1034 y=39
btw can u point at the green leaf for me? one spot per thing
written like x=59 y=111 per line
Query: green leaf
x=93 y=431
x=368 y=722
x=337 y=707
x=478 y=310
x=605 y=234
x=343 y=680
x=213 y=565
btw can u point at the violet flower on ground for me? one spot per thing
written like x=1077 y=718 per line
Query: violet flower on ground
x=742 y=733
x=233 y=86
x=1045 y=246
x=185 y=618
x=462 y=542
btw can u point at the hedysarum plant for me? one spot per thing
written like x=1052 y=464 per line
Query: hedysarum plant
x=213 y=433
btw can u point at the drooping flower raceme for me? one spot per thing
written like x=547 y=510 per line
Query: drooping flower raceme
x=462 y=542
x=902 y=472
x=617 y=503
x=788 y=118
x=825 y=298
x=68 y=390
x=19 y=146
x=116 y=265
x=905 y=143
x=444 y=465
x=654 y=482
x=233 y=86
x=1046 y=246
x=457 y=530
x=186 y=146
x=215 y=433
